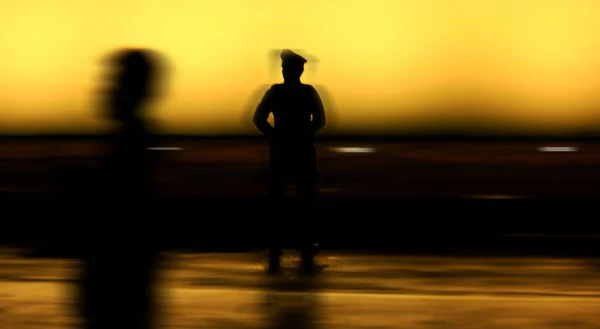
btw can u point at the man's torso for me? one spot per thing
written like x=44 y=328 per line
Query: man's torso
x=292 y=111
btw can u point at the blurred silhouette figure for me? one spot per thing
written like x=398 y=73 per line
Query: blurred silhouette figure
x=120 y=253
x=298 y=114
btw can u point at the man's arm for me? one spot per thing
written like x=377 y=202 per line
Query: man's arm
x=318 y=113
x=262 y=112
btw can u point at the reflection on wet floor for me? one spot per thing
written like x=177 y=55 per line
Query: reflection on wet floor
x=356 y=291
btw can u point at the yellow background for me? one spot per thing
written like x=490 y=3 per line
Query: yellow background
x=510 y=65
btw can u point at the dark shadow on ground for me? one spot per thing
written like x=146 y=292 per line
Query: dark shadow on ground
x=292 y=303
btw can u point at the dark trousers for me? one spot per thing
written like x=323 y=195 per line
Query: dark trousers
x=298 y=165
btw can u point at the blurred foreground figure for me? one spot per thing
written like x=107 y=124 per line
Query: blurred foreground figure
x=298 y=114
x=120 y=253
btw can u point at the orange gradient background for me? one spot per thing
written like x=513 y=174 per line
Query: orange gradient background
x=388 y=65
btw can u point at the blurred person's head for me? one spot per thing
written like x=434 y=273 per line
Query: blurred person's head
x=132 y=82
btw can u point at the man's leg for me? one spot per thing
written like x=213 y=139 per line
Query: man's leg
x=308 y=251
x=305 y=176
x=277 y=188
x=277 y=177
x=275 y=252
x=306 y=187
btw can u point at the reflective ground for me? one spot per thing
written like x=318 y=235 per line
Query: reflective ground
x=355 y=291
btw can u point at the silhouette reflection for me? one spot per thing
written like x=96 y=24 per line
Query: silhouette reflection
x=292 y=304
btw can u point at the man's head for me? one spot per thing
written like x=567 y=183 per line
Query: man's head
x=292 y=65
x=135 y=73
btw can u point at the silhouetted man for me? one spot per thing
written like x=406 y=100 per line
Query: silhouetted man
x=120 y=254
x=298 y=114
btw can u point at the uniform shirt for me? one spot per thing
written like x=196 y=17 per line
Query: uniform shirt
x=297 y=111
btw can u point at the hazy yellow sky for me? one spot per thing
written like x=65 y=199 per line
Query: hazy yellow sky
x=520 y=64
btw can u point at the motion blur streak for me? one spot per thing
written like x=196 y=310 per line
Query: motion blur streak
x=557 y=149
x=402 y=65
x=353 y=149
x=165 y=149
